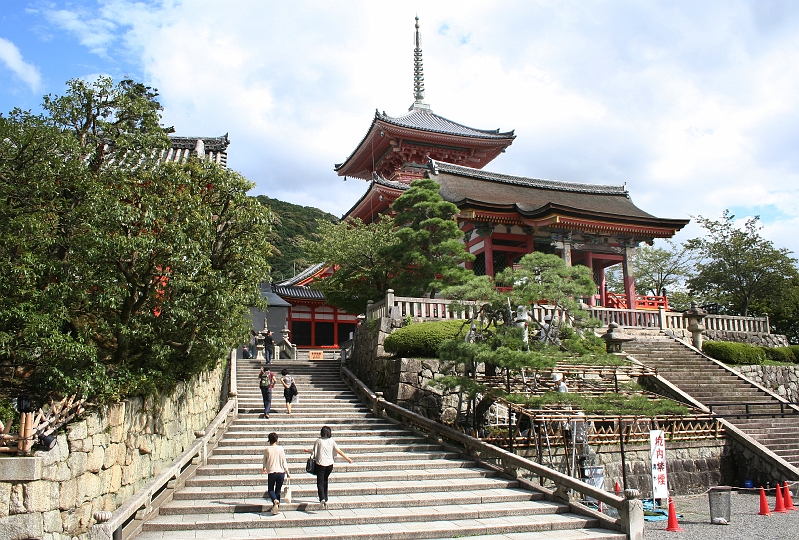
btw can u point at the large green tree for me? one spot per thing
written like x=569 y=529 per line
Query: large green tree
x=357 y=253
x=121 y=274
x=430 y=244
x=739 y=268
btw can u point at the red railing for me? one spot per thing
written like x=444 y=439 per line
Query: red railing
x=619 y=301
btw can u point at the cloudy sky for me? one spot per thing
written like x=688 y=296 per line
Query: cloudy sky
x=694 y=105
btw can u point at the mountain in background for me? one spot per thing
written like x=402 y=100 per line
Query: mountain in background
x=292 y=224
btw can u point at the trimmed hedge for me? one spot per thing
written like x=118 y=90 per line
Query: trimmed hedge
x=780 y=354
x=734 y=353
x=423 y=339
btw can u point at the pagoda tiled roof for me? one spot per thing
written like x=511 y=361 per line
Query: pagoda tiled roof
x=427 y=120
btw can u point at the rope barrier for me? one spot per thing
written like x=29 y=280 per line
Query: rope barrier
x=791 y=485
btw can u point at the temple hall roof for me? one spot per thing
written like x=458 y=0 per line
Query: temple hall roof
x=533 y=198
x=302 y=276
x=210 y=148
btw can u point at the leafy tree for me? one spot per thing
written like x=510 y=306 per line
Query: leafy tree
x=123 y=274
x=429 y=243
x=499 y=344
x=656 y=269
x=357 y=252
x=739 y=268
x=291 y=225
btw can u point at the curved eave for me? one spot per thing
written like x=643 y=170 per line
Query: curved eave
x=359 y=163
x=559 y=216
x=369 y=205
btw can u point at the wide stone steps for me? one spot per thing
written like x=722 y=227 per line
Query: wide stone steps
x=727 y=392
x=400 y=486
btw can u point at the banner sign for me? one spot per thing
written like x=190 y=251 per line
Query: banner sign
x=657 y=451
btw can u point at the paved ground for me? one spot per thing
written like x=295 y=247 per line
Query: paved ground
x=745 y=523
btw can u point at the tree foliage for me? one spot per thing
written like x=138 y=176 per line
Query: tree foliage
x=429 y=242
x=656 y=269
x=739 y=268
x=291 y=225
x=121 y=274
x=356 y=250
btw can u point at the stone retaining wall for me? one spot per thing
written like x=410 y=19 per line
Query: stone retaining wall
x=753 y=338
x=101 y=460
x=782 y=380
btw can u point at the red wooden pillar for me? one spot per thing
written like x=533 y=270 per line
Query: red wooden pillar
x=530 y=243
x=603 y=286
x=489 y=253
x=589 y=262
x=629 y=278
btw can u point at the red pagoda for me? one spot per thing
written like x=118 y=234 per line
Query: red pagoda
x=503 y=217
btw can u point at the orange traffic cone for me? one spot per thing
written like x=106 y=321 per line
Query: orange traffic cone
x=788 y=499
x=617 y=489
x=764 y=511
x=779 y=506
x=673 y=525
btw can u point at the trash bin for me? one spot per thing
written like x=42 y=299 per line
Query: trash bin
x=720 y=505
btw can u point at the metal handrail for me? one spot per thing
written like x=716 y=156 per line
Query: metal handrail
x=792 y=409
x=630 y=510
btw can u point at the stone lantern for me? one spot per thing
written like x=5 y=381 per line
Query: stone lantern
x=615 y=338
x=694 y=318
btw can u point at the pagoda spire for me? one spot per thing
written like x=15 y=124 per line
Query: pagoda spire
x=418 y=72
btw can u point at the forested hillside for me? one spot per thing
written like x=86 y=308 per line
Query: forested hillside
x=292 y=222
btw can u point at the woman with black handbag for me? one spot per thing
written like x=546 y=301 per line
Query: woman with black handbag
x=289 y=388
x=323 y=455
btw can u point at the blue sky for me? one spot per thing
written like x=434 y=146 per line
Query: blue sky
x=694 y=105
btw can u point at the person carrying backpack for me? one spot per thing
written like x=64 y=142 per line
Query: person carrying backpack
x=266 y=382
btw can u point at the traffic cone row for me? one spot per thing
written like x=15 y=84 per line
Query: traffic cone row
x=783 y=500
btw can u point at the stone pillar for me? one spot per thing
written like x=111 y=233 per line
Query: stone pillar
x=567 y=251
x=629 y=278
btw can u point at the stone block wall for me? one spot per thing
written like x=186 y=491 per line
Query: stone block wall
x=753 y=338
x=102 y=459
x=782 y=380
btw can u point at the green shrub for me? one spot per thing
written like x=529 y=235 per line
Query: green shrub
x=423 y=339
x=734 y=353
x=795 y=350
x=780 y=354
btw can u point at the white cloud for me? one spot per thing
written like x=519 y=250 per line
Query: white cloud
x=693 y=105
x=12 y=58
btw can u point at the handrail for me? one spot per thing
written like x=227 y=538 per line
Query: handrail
x=111 y=527
x=630 y=510
x=792 y=409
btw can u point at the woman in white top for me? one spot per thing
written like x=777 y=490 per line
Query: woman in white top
x=323 y=453
x=276 y=468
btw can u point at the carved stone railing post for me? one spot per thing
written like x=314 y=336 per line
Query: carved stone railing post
x=632 y=515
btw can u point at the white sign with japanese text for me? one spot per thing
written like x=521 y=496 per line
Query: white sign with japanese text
x=657 y=451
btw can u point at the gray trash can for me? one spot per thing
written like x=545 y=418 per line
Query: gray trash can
x=720 y=505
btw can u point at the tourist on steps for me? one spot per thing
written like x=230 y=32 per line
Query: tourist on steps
x=289 y=388
x=276 y=469
x=323 y=455
x=269 y=346
x=266 y=382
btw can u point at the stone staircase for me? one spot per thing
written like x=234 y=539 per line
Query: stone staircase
x=728 y=392
x=400 y=486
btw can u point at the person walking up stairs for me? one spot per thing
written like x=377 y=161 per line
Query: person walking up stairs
x=401 y=485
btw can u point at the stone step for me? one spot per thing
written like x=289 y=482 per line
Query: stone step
x=301 y=479
x=350 y=449
x=376 y=465
x=345 y=516
x=355 y=502
x=337 y=488
x=257 y=457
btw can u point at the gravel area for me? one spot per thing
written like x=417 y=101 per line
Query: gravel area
x=745 y=523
